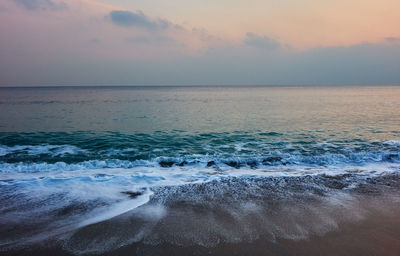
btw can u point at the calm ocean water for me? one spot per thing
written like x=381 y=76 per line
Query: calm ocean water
x=74 y=157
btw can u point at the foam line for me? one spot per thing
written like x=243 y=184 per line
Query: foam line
x=117 y=209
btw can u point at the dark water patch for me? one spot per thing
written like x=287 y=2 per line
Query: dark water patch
x=252 y=164
x=166 y=164
x=183 y=163
x=211 y=163
x=233 y=163
x=132 y=194
x=272 y=160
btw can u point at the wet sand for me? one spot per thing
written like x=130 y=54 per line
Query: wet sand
x=232 y=219
x=377 y=235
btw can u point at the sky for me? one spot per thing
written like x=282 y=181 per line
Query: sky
x=208 y=42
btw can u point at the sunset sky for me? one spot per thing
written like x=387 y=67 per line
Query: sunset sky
x=209 y=42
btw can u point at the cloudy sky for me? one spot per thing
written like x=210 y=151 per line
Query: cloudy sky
x=208 y=42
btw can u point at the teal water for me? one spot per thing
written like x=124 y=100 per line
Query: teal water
x=85 y=151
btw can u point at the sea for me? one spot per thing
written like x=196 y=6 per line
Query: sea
x=194 y=170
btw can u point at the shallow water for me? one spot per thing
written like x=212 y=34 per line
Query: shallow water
x=91 y=170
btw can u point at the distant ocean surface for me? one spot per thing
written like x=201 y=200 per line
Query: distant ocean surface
x=74 y=160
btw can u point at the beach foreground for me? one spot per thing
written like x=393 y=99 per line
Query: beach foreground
x=329 y=215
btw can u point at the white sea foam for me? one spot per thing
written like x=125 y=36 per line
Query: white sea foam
x=392 y=142
x=116 y=209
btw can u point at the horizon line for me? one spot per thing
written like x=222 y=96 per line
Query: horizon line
x=199 y=85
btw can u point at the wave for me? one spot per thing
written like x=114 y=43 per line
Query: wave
x=45 y=149
x=46 y=158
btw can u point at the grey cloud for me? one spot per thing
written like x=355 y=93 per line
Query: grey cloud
x=263 y=42
x=203 y=34
x=226 y=65
x=154 y=41
x=392 y=39
x=362 y=64
x=42 y=5
x=95 y=41
x=147 y=39
x=139 y=19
